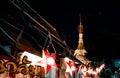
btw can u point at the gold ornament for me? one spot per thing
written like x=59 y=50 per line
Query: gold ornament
x=2 y=67
x=14 y=67
x=31 y=70
x=22 y=68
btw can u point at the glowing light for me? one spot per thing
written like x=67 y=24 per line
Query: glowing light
x=102 y=66
x=31 y=57
x=73 y=68
x=94 y=73
x=67 y=59
x=50 y=61
x=98 y=70
x=8 y=77
x=70 y=65
x=83 y=70
x=89 y=71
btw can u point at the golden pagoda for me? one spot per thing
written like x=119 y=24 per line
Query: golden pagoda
x=80 y=52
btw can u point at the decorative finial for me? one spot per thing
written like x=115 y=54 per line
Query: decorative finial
x=80 y=27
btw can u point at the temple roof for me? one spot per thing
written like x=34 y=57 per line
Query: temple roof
x=23 y=28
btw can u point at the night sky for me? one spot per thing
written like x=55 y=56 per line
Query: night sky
x=100 y=20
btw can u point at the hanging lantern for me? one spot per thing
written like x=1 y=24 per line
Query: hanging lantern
x=70 y=65
x=48 y=60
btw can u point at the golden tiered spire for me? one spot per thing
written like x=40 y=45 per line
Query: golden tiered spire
x=80 y=30
x=80 y=51
x=80 y=27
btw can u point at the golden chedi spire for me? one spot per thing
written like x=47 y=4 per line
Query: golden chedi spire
x=80 y=52
x=80 y=42
x=80 y=27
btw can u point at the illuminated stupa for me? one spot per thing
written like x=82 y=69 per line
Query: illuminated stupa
x=80 y=52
